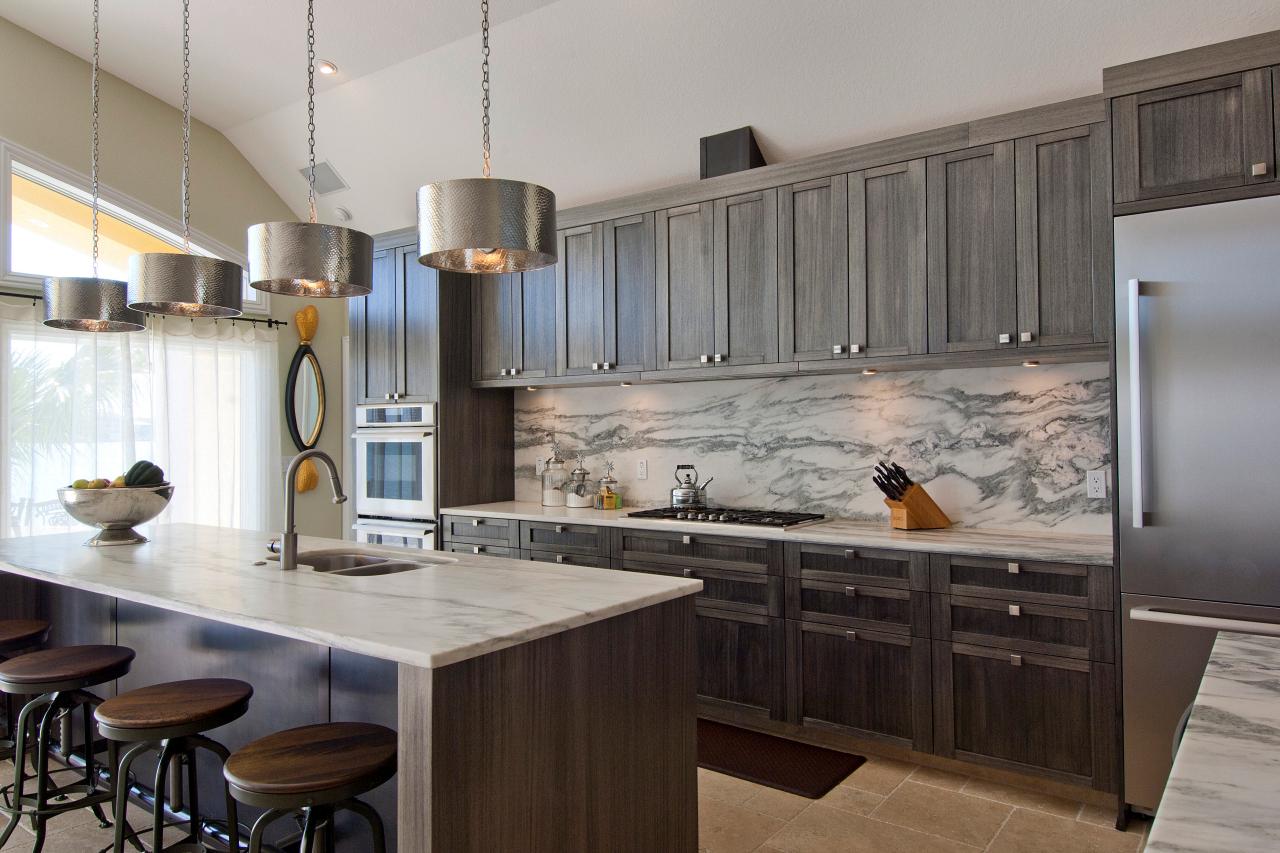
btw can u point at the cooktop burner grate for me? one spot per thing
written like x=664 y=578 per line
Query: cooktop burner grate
x=724 y=515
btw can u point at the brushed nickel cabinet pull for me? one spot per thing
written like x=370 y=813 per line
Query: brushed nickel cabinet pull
x=1025 y=337
x=855 y=347
x=851 y=591
x=851 y=635
x=1015 y=610
x=502 y=372
x=1014 y=568
x=687 y=540
x=478 y=549
x=476 y=522
x=688 y=573
x=850 y=554
x=515 y=372
x=1004 y=338
x=595 y=365
x=559 y=558
x=1259 y=169
x=388 y=396
x=1016 y=660
x=718 y=357
x=705 y=359
x=559 y=528
x=837 y=349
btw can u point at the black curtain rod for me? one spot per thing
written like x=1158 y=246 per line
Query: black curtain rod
x=269 y=323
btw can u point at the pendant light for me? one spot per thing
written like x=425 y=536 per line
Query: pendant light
x=308 y=258
x=90 y=304
x=185 y=285
x=486 y=225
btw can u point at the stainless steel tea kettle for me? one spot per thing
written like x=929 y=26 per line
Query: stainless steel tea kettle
x=689 y=491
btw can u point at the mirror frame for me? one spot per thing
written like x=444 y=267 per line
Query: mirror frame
x=303 y=354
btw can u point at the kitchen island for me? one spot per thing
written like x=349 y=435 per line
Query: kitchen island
x=539 y=707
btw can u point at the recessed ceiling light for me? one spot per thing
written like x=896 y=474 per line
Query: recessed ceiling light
x=326 y=67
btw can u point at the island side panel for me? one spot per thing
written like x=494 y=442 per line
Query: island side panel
x=582 y=741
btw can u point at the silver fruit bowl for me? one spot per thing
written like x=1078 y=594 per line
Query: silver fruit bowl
x=116 y=510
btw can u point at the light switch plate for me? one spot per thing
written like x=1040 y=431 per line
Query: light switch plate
x=642 y=469
x=1096 y=483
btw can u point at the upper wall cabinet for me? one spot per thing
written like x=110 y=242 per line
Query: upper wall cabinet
x=580 y=346
x=393 y=330
x=971 y=232
x=513 y=320
x=813 y=280
x=1064 y=237
x=686 y=286
x=1207 y=135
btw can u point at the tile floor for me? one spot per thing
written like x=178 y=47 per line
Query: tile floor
x=885 y=806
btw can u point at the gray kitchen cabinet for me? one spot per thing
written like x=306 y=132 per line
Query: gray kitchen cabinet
x=418 y=371
x=1209 y=134
x=373 y=325
x=629 y=297
x=513 y=333
x=686 y=286
x=888 y=272
x=394 y=329
x=745 y=276
x=580 y=326
x=1063 y=237
x=813 y=270
x=971 y=236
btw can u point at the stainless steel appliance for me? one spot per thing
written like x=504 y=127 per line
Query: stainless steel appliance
x=724 y=515
x=1198 y=472
x=401 y=534
x=395 y=449
x=689 y=491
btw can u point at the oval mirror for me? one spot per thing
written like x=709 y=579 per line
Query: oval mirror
x=304 y=398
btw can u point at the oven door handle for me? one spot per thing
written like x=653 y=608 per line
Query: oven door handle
x=393 y=433
x=1148 y=613
x=409 y=531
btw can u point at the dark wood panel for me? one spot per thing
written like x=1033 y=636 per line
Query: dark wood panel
x=533 y=327
x=1065 y=584
x=565 y=538
x=377 y=332
x=482 y=530
x=1198 y=63
x=455 y=547
x=630 y=282
x=894 y=611
x=746 y=279
x=363 y=690
x=743 y=592
x=888 y=271
x=418 y=349
x=686 y=286
x=813 y=270
x=1037 y=628
x=972 y=236
x=1091 y=109
x=732 y=553
x=492 y=325
x=741 y=661
x=881 y=567
x=567 y=559
x=869 y=683
x=580 y=340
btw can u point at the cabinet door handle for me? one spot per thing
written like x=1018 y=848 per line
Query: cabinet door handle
x=851 y=591
x=850 y=554
x=559 y=528
x=705 y=359
x=515 y=372
x=851 y=635
x=689 y=573
x=1014 y=568
x=595 y=365
x=396 y=397
x=1015 y=610
x=855 y=347
x=559 y=558
x=476 y=522
x=388 y=396
x=1025 y=337
x=608 y=365
x=1259 y=169
x=502 y=372
x=478 y=549
x=687 y=540
x=717 y=358
x=837 y=349
x=1004 y=338
x=1016 y=660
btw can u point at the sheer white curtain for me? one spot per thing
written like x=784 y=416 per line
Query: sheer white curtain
x=200 y=399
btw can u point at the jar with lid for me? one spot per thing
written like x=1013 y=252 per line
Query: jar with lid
x=577 y=492
x=608 y=495
x=554 y=478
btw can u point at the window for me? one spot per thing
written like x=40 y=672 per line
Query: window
x=49 y=229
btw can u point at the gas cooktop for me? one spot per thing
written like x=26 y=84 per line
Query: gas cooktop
x=724 y=515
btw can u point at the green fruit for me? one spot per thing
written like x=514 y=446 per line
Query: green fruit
x=138 y=466
x=80 y=484
x=144 y=473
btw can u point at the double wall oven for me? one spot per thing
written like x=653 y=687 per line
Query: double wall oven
x=395 y=447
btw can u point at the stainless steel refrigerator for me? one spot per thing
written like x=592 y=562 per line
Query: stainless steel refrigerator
x=1198 y=472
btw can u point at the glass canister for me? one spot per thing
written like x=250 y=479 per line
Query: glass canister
x=554 y=476
x=608 y=495
x=577 y=492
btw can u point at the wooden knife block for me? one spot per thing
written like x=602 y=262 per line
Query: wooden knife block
x=916 y=511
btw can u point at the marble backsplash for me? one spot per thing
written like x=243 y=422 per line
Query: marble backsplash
x=997 y=447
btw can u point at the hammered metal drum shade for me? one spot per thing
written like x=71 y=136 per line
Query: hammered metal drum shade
x=89 y=305
x=310 y=259
x=486 y=225
x=185 y=285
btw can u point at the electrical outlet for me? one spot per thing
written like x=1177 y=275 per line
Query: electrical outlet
x=1096 y=483
x=642 y=469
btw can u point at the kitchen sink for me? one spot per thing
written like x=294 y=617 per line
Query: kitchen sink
x=362 y=564
x=387 y=567
x=340 y=562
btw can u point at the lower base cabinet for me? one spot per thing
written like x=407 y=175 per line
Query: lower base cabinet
x=1036 y=713
x=865 y=683
x=740 y=661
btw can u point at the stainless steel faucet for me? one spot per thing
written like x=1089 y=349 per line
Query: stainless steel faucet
x=289 y=542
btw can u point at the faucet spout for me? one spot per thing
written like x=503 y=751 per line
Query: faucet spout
x=289 y=541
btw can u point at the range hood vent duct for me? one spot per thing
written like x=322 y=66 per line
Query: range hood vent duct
x=728 y=152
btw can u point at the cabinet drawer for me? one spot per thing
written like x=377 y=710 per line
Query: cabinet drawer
x=476 y=528
x=876 y=566
x=696 y=551
x=741 y=661
x=566 y=559
x=1044 y=583
x=746 y=592
x=868 y=683
x=896 y=611
x=564 y=538
x=478 y=548
x=1071 y=632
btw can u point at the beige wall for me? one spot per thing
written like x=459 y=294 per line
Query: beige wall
x=44 y=107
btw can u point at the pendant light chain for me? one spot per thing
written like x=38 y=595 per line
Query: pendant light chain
x=311 y=107
x=186 y=126
x=93 y=154
x=484 y=83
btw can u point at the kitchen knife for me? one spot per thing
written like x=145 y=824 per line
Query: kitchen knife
x=903 y=474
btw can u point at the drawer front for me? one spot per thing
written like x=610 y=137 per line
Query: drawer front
x=478 y=548
x=898 y=611
x=1046 y=629
x=564 y=538
x=741 y=661
x=877 y=566
x=475 y=528
x=695 y=551
x=1044 y=583
x=745 y=592
x=566 y=559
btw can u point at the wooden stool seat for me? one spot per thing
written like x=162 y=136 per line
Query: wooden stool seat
x=21 y=633
x=173 y=709
x=66 y=668
x=313 y=764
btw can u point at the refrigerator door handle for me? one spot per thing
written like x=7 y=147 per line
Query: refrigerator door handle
x=1192 y=620
x=1135 y=404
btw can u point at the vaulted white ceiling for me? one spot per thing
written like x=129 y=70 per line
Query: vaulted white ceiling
x=597 y=98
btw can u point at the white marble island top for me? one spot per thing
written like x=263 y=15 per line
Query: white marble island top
x=971 y=541
x=461 y=607
x=1224 y=790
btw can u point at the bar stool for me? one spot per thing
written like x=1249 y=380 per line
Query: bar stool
x=171 y=719
x=317 y=770
x=17 y=635
x=58 y=679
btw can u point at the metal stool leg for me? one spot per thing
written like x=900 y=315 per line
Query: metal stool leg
x=372 y=818
x=222 y=753
x=260 y=826
x=40 y=820
x=122 y=795
x=168 y=749
x=308 y=844
x=193 y=798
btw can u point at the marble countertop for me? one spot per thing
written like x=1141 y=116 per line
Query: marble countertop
x=1224 y=790
x=971 y=541
x=461 y=607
